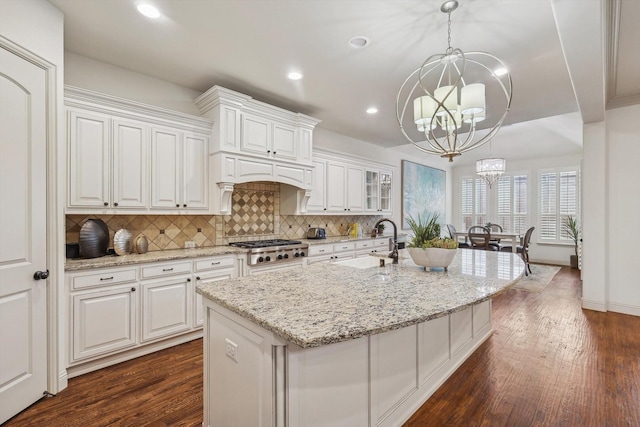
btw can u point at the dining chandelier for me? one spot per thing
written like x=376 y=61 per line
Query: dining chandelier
x=491 y=168
x=448 y=96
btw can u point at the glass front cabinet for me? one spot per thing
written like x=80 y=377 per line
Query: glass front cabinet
x=378 y=191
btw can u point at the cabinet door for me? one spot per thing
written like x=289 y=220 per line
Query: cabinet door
x=194 y=173
x=165 y=168
x=336 y=183
x=316 y=201
x=210 y=276
x=130 y=142
x=166 y=308
x=386 y=179
x=355 y=189
x=284 y=141
x=89 y=163
x=371 y=187
x=305 y=143
x=103 y=322
x=256 y=135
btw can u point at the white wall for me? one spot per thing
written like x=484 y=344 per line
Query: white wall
x=623 y=209
x=101 y=77
x=37 y=26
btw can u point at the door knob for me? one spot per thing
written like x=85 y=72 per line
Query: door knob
x=41 y=275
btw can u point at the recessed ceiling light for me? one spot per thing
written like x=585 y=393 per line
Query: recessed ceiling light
x=500 y=71
x=372 y=110
x=294 y=75
x=148 y=10
x=359 y=42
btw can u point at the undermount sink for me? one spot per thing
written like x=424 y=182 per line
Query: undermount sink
x=365 y=262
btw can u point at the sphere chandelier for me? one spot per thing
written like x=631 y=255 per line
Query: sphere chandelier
x=447 y=94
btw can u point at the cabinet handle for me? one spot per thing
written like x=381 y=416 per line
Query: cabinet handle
x=106 y=203
x=274 y=153
x=197 y=277
x=321 y=250
x=188 y=279
x=177 y=205
x=133 y=289
x=115 y=204
x=167 y=269
x=268 y=151
x=325 y=209
x=215 y=263
x=184 y=206
x=106 y=278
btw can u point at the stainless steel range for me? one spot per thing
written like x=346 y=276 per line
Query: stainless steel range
x=270 y=252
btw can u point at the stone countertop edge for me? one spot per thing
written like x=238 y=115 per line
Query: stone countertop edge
x=328 y=303
x=153 y=256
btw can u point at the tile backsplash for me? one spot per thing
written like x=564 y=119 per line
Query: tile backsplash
x=255 y=215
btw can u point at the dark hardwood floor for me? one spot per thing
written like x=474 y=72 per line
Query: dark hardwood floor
x=548 y=363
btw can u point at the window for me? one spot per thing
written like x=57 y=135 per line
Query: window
x=474 y=202
x=558 y=200
x=512 y=203
x=507 y=202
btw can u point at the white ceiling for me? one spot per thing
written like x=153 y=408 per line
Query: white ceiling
x=250 y=46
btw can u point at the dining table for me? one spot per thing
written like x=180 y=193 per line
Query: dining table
x=513 y=236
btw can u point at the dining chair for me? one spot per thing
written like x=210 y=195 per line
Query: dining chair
x=495 y=227
x=479 y=238
x=523 y=250
x=452 y=235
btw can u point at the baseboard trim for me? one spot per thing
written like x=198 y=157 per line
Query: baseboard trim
x=633 y=310
x=594 y=305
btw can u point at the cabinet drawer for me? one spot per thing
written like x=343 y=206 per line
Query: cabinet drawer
x=164 y=270
x=343 y=247
x=105 y=278
x=381 y=243
x=365 y=244
x=214 y=263
x=320 y=250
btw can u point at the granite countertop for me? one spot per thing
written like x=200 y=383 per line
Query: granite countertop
x=168 y=255
x=342 y=239
x=327 y=303
x=154 y=256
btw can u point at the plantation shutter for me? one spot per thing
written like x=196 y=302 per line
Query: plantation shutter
x=504 y=202
x=548 y=210
x=467 y=203
x=567 y=199
x=481 y=202
x=520 y=203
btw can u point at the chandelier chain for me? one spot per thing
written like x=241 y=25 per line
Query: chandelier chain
x=449 y=32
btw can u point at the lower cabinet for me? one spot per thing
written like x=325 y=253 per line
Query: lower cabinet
x=166 y=306
x=119 y=313
x=104 y=321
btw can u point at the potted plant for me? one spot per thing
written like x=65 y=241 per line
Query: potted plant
x=380 y=229
x=573 y=230
x=426 y=248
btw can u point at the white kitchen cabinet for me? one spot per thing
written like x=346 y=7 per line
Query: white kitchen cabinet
x=344 y=188
x=355 y=189
x=331 y=252
x=378 y=186
x=268 y=138
x=103 y=321
x=317 y=199
x=128 y=157
x=107 y=162
x=178 y=170
x=166 y=307
x=211 y=270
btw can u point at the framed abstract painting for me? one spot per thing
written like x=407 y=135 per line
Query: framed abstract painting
x=424 y=192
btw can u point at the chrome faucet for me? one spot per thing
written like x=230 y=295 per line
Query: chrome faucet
x=374 y=233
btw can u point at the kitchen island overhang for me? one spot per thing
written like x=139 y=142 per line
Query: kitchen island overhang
x=337 y=345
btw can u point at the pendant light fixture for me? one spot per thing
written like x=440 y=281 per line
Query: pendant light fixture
x=491 y=168
x=448 y=97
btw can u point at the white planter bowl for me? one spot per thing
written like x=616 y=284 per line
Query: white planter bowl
x=432 y=257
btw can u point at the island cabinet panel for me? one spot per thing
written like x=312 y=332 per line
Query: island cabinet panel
x=238 y=372
x=329 y=385
x=461 y=329
x=435 y=351
x=394 y=371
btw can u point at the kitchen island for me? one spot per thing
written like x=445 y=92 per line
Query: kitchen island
x=353 y=344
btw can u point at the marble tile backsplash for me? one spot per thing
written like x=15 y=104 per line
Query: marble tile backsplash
x=255 y=215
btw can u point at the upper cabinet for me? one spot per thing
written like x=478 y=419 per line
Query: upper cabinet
x=349 y=185
x=128 y=157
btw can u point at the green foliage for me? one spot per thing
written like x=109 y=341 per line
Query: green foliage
x=441 y=243
x=424 y=230
x=573 y=230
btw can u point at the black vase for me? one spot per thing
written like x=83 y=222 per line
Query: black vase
x=94 y=238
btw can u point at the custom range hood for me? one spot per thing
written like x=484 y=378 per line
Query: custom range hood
x=253 y=141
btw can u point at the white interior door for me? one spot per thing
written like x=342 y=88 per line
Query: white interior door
x=23 y=174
